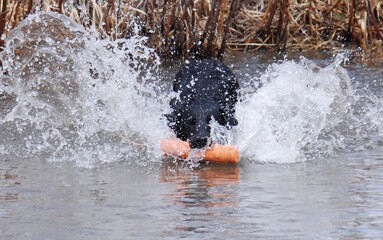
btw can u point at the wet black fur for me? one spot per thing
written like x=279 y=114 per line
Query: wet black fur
x=208 y=89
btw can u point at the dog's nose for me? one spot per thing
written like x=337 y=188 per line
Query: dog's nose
x=198 y=143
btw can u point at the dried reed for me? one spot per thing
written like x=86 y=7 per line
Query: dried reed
x=210 y=27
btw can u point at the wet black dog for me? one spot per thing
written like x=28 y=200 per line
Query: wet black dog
x=208 y=90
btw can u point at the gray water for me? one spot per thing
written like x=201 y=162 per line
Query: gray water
x=81 y=119
x=333 y=198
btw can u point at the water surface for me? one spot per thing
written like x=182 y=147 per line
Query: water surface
x=333 y=198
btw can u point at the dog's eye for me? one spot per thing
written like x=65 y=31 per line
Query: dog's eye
x=208 y=118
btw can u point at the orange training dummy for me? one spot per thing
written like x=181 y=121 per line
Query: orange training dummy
x=216 y=153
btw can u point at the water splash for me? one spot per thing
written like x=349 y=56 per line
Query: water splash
x=67 y=95
x=77 y=97
x=284 y=119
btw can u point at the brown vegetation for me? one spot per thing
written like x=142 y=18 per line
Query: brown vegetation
x=209 y=27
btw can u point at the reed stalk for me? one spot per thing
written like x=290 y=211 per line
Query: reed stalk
x=209 y=28
x=3 y=20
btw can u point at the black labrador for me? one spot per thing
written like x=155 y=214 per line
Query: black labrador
x=207 y=90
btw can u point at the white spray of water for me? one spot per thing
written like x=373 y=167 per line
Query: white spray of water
x=290 y=110
x=67 y=95
x=79 y=97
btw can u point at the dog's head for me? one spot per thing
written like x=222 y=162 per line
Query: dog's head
x=192 y=122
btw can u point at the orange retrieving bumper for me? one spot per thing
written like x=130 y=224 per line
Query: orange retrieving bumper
x=216 y=153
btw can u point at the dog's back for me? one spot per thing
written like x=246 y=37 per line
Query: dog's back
x=206 y=79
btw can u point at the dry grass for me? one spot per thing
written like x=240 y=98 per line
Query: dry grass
x=210 y=27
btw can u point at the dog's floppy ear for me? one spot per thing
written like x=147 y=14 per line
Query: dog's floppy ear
x=174 y=115
x=172 y=118
x=227 y=107
x=229 y=119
